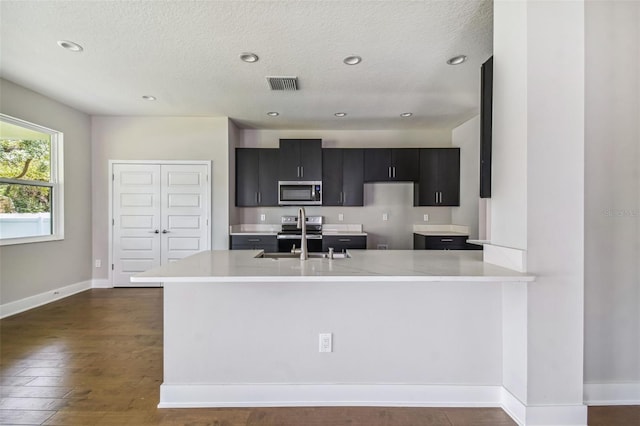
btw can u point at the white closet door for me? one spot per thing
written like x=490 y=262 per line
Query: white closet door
x=136 y=221
x=185 y=210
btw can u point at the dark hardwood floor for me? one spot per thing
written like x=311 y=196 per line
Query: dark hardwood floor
x=96 y=359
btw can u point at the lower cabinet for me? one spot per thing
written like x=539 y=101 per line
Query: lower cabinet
x=268 y=243
x=443 y=242
x=343 y=242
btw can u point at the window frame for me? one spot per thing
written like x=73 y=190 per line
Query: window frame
x=56 y=183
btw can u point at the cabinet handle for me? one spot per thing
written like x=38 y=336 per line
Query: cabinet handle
x=254 y=240
x=298 y=171
x=340 y=200
x=259 y=198
x=389 y=172
x=436 y=197
x=440 y=197
x=394 y=171
x=256 y=198
x=446 y=240
x=344 y=240
x=301 y=171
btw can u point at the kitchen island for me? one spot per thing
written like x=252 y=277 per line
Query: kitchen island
x=409 y=328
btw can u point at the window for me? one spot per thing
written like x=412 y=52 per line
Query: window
x=31 y=203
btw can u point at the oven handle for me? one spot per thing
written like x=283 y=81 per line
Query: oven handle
x=297 y=237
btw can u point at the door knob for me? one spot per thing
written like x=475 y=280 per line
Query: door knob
x=164 y=231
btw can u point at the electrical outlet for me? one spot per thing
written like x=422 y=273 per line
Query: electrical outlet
x=382 y=246
x=98 y=263
x=385 y=216
x=426 y=218
x=340 y=217
x=263 y=217
x=326 y=342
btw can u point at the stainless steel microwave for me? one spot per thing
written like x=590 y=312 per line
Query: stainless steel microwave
x=299 y=193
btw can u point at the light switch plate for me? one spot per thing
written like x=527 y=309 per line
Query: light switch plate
x=385 y=216
x=340 y=217
x=326 y=342
x=426 y=218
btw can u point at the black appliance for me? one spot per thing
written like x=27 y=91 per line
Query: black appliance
x=290 y=235
x=299 y=193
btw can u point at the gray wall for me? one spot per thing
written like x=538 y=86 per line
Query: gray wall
x=158 y=138
x=396 y=199
x=612 y=202
x=30 y=269
x=467 y=137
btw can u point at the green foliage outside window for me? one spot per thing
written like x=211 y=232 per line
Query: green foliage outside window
x=27 y=160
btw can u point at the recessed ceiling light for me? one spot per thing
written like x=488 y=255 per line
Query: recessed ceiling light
x=273 y=113
x=148 y=98
x=352 y=60
x=406 y=114
x=457 y=60
x=340 y=114
x=69 y=45
x=249 y=57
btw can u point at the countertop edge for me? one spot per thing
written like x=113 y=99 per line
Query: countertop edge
x=334 y=278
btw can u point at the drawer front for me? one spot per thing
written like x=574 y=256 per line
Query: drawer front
x=444 y=242
x=345 y=242
x=268 y=243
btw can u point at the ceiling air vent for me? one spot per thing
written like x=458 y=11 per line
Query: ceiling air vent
x=283 y=83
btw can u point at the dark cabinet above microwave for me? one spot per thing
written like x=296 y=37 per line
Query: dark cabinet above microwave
x=300 y=159
x=342 y=176
x=391 y=165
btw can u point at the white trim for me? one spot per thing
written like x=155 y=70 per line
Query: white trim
x=513 y=407
x=506 y=257
x=293 y=395
x=612 y=393
x=101 y=283
x=556 y=415
x=31 y=302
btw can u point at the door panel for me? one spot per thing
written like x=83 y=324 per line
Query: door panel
x=185 y=230
x=136 y=217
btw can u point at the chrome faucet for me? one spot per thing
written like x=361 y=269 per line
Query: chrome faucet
x=302 y=225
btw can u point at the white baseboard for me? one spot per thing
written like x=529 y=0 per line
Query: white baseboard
x=31 y=302
x=543 y=415
x=612 y=393
x=513 y=407
x=101 y=283
x=291 y=395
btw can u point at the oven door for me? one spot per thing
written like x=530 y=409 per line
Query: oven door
x=286 y=242
x=299 y=193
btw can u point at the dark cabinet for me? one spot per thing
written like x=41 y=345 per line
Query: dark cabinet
x=256 y=177
x=268 y=243
x=439 y=182
x=486 y=126
x=391 y=165
x=343 y=242
x=342 y=177
x=300 y=159
x=443 y=242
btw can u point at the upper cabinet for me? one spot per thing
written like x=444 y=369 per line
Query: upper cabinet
x=439 y=183
x=391 y=165
x=256 y=177
x=300 y=159
x=342 y=177
x=486 y=126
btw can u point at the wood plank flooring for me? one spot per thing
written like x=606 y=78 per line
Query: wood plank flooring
x=96 y=359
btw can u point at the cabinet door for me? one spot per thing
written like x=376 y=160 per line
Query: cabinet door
x=377 y=165
x=289 y=159
x=332 y=177
x=310 y=159
x=352 y=177
x=405 y=164
x=268 y=177
x=247 y=172
x=449 y=176
x=486 y=120
x=426 y=190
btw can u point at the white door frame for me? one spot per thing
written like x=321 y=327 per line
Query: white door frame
x=160 y=162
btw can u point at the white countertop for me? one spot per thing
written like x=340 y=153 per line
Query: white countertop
x=327 y=229
x=364 y=265
x=441 y=230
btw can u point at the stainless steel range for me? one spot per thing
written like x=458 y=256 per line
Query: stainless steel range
x=290 y=235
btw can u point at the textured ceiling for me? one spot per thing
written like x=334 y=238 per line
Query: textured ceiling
x=186 y=54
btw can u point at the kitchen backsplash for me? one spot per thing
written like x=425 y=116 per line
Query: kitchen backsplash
x=393 y=199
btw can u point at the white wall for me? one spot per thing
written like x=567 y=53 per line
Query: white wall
x=30 y=269
x=612 y=202
x=158 y=138
x=538 y=202
x=467 y=137
x=396 y=199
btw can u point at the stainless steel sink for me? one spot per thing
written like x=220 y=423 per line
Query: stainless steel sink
x=278 y=256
